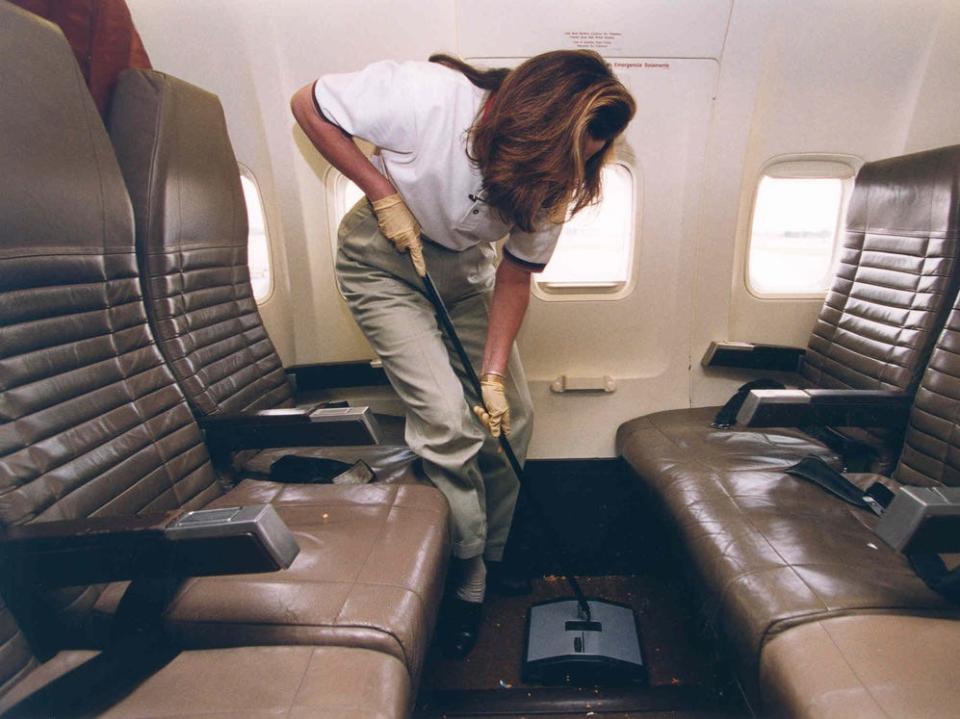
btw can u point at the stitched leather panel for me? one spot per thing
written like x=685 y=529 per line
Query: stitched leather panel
x=91 y=422
x=897 y=278
x=172 y=144
x=16 y=658
x=931 y=449
x=253 y=683
x=868 y=667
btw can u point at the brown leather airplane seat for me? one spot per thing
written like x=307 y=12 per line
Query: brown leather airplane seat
x=325 y=682
x=873 y=666
x=771 y=551
x=174 y=151
x=93 y=423
x=896 y=282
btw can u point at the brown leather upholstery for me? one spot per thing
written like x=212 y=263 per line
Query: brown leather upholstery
x=896 y=283
x=771 y=551
x=93 y=423
x=864 y=667
x=175 y=153
x=369 y=574
x=102 y=36
x=91 y=420
x=172 y=144
x=653 y=443
x=931 y=450
x=897 y=277
x=260 y=682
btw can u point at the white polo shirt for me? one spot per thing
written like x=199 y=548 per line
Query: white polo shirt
x=419 y=115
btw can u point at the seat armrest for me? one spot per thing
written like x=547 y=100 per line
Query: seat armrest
x=206 y=542
x=922 y=519
x=747 y=355
x=323 y=427
x=824 y=407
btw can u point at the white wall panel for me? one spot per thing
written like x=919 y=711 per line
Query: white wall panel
x=871 y=78
x=614 y=28
x=936 y=114
x=254 y=55
x=643 y=339
x=835 y=78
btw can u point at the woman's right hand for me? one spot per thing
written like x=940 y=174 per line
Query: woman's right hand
x=398 y=225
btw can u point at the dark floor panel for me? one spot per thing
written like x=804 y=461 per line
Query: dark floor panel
x=567 y=701
x=600 y=514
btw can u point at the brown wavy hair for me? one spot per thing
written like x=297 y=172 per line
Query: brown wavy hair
x=528 y=139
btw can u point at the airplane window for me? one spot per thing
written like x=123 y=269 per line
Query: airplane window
x=258 y=248
x=794 y=233
x=345 y=195
x=596 y=246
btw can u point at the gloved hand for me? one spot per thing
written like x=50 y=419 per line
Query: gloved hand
x=495 y=412
x=398 y=225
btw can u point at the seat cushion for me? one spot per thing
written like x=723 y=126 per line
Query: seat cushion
x=770 y=551
x=864 y=667
x=254 y=682
x=369 y=574
x=654 y=443
x=391 y=464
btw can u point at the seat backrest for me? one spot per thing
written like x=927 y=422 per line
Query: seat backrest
x=897 y=279
x=173 y=148
x=92 y=422
x=17 y=659
x=931 y=447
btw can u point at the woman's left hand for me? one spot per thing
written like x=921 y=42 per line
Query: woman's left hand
x=495 y=412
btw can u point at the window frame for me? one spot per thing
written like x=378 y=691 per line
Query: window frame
x=551 y=292
x=803 y=166
x=334 y=183
x=246 y=172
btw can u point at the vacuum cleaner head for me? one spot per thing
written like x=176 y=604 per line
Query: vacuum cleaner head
x=563 y=647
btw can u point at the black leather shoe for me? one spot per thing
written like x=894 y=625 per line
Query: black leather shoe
x=461 y=627
x=505 y=583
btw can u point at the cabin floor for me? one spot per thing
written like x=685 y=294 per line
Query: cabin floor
x=616 y=547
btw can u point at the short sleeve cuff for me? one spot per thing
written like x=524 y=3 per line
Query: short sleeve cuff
x=525 y=264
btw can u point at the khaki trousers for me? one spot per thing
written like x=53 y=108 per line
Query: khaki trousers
x=388 y=302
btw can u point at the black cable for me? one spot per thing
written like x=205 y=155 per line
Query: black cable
x=444 y=316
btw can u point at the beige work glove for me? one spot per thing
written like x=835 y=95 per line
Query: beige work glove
x=494 y=413
x=398 y=225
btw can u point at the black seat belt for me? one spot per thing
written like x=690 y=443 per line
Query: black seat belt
x=876 y=498
x=929 y=566
x=139 y=648
x=931 y=569
x=857 y=456
x=727 y=416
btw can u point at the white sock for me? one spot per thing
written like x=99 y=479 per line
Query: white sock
x=472 y=579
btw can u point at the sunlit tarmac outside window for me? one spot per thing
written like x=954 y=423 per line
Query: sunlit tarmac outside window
x=794 y=232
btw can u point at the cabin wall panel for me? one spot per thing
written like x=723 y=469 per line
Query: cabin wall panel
x=834 y=78
x=254 y=55
x=871 y=78
x=641 y=28
x=936 y=119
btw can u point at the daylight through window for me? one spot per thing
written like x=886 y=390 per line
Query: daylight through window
x=595 y=249
x=794 y=232
x=258 y=248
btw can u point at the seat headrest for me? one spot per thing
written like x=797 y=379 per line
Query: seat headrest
x=61 y=191
x=171 y=141
x=914 y=195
